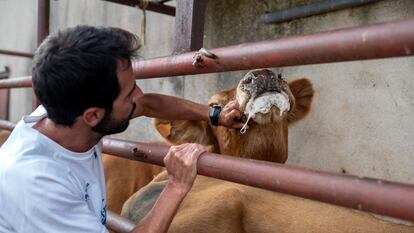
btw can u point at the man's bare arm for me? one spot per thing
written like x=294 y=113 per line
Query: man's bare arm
x=181 y=164
x=160 y=217
x=173 y=108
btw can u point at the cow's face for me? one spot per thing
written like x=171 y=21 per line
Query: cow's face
x=290 y=102
x=264 y=97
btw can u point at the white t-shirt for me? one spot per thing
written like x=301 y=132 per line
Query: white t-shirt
x=47 y=188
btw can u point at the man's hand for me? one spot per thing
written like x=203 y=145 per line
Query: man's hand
x=181 y=164
x=230 y=115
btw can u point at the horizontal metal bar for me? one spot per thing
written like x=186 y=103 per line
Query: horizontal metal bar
x=7 y=125
x=311 y=9
x=152 y=6
x=393 y=39
x=15 y=53
x=118 y=223
x=386 y=40
x=373 y=195
x=20 y=82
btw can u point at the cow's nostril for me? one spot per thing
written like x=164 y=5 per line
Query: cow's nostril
x=247 y=80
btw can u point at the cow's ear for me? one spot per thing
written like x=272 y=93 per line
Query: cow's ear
x=183 y=131
x=223 y=97
x=302 y=90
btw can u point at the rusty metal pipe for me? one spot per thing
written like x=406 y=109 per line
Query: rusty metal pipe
x=373 y=195
x=7 y=125
x=20 y=82
x=118 y=223
x=43 y=14
x=16 y=53
x=43 y=9
x=392 y=39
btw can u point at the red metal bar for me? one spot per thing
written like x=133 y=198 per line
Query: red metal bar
x=43 y=9
x=118 y=223
x=373 y=195
x=7 y=125
x=152 y=6
x=4 y=95
x=43 y=13
x=4 y=104
x=16 y=53
x=392 y=39
x=16 y=82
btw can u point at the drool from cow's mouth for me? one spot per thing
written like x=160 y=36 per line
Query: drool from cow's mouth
x=258 y=91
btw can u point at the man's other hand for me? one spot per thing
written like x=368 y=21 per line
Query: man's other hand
x=230 y=115
x=181 y=164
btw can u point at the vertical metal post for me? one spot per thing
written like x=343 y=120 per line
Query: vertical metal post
x=43 y=12
x=4 y=96
x=189 y=25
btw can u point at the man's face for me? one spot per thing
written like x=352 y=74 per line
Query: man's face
x=124 y=105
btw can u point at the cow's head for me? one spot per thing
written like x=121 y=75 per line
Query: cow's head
x=264 y=97
x=271 y=104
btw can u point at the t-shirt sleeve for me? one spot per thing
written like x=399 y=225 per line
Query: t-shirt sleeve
x=52 y=204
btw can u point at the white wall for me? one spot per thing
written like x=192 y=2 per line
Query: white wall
x=18 y=32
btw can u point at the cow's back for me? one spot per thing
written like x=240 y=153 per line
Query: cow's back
x=216 y=206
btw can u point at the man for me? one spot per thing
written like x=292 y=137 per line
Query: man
x=51 y=176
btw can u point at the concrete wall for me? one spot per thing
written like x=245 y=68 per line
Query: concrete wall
x=361 y=121
x=18 y=32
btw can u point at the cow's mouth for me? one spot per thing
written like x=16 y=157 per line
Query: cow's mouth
x=263 y=97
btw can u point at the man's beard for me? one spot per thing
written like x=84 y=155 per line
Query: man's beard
x=108 y=126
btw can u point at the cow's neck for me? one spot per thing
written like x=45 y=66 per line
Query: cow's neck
x=267 y=142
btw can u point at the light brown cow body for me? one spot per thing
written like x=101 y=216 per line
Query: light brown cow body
x=215 y=206
x=123 y=178
x=3 y=136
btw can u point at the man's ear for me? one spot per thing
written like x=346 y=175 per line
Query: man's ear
x=92 y=116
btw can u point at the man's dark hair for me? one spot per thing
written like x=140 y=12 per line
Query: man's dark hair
x=76 y=69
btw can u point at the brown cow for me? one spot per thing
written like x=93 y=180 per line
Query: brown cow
x=219 y=206
x=123 y=178
x=3 y=136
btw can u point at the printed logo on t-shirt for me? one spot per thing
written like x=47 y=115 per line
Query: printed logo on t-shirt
x=86 y=191
x=103 y=212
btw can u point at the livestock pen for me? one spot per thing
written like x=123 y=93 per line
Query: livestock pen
x=384 y=40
